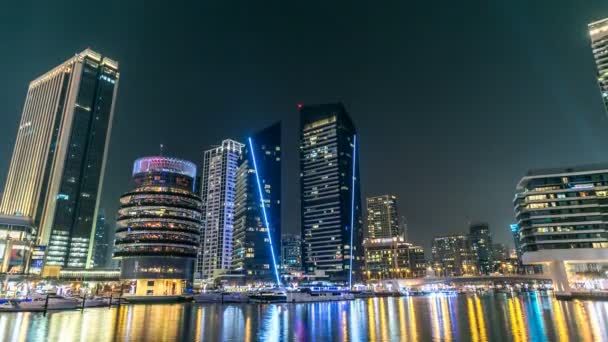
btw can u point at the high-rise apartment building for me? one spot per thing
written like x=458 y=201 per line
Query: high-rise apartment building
x=562 y=223
x=452 y=256
x=599 y=45
x=253 y=255
x=158 y=227
x=393 y=258
x=56 y=171
x=481 y=245
x=383 y=219
x=218 y=192
x=330 y=194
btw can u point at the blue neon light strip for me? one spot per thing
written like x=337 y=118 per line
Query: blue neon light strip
x=352 y=213
x=257 y=178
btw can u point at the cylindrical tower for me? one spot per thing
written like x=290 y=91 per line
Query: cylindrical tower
x=158 y=227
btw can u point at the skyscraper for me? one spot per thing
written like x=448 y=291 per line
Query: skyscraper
x=599 y=44
x=330 y=194
x=481 y=245
x=101 y=244
x=218 y=191
x=252 y=256
x=56 y=171
x=382 y=217
x=158 y=227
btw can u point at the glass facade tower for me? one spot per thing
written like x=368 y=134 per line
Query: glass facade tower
x=218 y=192
x=599 y=44
x=56 y=171
x=252 y=253
x=330 y=195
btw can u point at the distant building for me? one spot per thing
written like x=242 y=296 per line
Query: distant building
x=481 y=244
x=252 y=256
x=452 y=256
x=291 y=253
x=383 y=217
x=158 y=227
x=218 y=192
x=599 y=44
x=17 y=236
x=562 y=224
x=393 y=258
x=56 y=171
x=101 y=247
x=329 y=184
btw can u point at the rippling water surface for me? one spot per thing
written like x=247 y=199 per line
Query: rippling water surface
x=459 y=318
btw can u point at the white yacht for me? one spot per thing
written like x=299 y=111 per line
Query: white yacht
x=307 y=295
x=54 y=303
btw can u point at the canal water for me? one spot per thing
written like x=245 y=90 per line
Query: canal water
x=529 y=317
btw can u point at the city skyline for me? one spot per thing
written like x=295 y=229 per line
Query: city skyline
x=585 y=115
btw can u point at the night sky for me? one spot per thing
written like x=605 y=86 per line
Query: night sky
x=454 y=100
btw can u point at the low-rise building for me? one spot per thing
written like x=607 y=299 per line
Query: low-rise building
x=393 y=258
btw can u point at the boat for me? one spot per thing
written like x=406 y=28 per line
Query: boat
x=268 y=296
x=39 y=303
x=221 y=297
x=307 y=295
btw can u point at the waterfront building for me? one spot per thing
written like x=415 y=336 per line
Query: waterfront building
x=330 y=195
x=480 y=241
x=56 y=171
x=253 y=257
x=387 y=258
x=291 y=253
x=158 y=227
x=563 y=225
x=599 y=44
x=17 y=236
x=452 y=256
x=101 y=247
x=218 y=192
x=383 y=218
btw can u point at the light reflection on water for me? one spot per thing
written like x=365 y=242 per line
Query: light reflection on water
x=454 y=318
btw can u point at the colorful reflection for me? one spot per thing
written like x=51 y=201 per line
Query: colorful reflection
x=445 y=318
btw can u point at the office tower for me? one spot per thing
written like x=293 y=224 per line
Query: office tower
x=253 y=255
x=481 y=244
x=101 y=245
x=17 y=234
x=158 y=227
x=56 y=171
x=383 y=218
x=561 y=222
x=388 y=258
x=452 y=256
x=599 y=45
x=291 y=253
x=218 y=191
x=330 y=194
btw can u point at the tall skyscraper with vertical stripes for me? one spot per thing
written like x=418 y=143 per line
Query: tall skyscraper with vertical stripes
x=57 y=167
x=599 y=43
x=330 y=194
x=218 y=191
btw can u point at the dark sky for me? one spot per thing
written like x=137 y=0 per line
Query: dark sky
x=454 y=100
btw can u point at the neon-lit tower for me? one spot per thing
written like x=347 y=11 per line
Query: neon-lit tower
x=330 y=194
x=257 y=219
x=158 y=227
